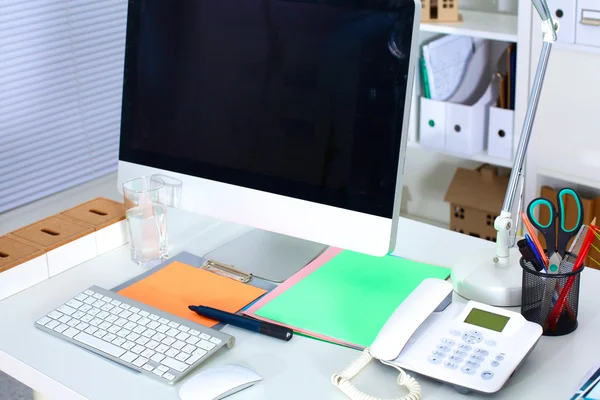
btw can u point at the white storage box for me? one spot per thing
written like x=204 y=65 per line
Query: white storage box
x=432 y=124
x=501 y=133
x=588 y=23
x=465 y=127
x=22 y=265
x=66 y=243
x=565 y=12
x=106 y=217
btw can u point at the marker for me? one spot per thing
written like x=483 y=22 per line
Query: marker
x=251 y=324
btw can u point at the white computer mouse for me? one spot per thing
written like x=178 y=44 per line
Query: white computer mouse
x=218 y=382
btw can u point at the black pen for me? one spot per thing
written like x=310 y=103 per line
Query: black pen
x=251 y=324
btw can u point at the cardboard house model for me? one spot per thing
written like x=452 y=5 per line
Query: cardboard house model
x=439 y=11
x=476 y=199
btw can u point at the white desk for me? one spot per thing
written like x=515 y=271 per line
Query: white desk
x=299 y=369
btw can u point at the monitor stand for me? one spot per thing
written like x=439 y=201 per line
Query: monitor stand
x=267 y=255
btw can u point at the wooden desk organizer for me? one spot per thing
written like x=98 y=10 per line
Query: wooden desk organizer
x=22 y=265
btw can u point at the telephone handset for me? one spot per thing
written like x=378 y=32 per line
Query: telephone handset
x=472 y=346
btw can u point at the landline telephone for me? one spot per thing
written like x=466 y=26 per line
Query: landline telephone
x=473 y=346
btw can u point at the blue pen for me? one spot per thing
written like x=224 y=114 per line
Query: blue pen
x=251 y=324
x=535 y=252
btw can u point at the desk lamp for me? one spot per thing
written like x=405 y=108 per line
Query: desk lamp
x=497 y=280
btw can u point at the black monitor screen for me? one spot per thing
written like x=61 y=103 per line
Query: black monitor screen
x=302 y=98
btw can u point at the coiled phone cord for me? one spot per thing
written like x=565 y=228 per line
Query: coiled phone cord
x=342 y=380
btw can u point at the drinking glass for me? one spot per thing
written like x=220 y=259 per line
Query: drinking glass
x=146 y=211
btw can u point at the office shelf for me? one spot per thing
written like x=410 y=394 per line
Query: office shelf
x=571 y=179
x=482 y=157
x=493 y=26
x=577 y=47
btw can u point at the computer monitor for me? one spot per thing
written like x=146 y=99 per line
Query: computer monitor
x=289 y=116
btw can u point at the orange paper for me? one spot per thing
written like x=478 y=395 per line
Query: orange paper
x=177 y=286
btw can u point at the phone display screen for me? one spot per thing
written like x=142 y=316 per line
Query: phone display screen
x=486 y=319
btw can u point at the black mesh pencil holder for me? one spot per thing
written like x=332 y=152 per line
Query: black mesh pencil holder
x=551 y=300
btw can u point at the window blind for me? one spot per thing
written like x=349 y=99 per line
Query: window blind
x=61 y=75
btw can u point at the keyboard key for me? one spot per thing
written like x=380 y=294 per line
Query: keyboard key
x=129 y=357
x=171 y=352
x=87 y=318
x=139 y=329
x=162 y=328
x=168 y=376
x=157 y=357
x=149 y=333
x=98 y=295
x=194 y=358
x=182 y=336
x=178 y=345
x=143 y=313
x=120 y=322
x=81 y=297
x=134 y=310
x=163 y=320
x=142 y=340
x=123 y=333
x=119 y=341
x=102 y=314
x=125 y=314
x=184 y=328
x=106 y=299
x=107 y=307
x=134 y=317
x=204 y=336
x=168 y=340
x=200 y=352
x=152 y=344
x=114 y=329
x=89 y=300
x=88 y=292
x=99 y=304
x=158 y=372
x=91 y=330
x=192 y=340
x=215 y=340
x=109 y=337
x=61 y=328
x=162 y=368
x=95 y=322
x=115 y=303
x=189 y=349
x=182 y=356
x=70 y=332
x=153 y=317
x=159 y=337
x=173 y=324
x=99 y=344
x=116 y=310
x=73 y=323
x=78 y=314
x=175 y=364
x=100 y=333
x=144 y=321
x=147 y=353
x=128 y=345
x=173 y=332
x=82 y=326
x=133 y=336
x=85 y=308
x=105 y=325
x=148 y=367
x=162 y=348
x=137 y=349
x=153 y=325
x=130 y=325
x=94 y=311
x=54 y=314
x=125 y=306
x=140 y=361
x=194 y=332
x=206 y=345
x=64 y=319
x=74 y=303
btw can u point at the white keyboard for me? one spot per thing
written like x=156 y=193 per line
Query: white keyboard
x=133 y=334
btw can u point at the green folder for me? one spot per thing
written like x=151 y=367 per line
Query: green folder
x=350 y=297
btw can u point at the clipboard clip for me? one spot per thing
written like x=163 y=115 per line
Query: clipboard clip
x=226 y=270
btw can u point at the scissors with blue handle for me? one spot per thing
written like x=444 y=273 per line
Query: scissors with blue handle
x=558 y=220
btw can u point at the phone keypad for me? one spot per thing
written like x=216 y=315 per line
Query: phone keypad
x=466 y=355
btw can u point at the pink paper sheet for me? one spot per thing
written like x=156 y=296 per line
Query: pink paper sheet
x=303 y=273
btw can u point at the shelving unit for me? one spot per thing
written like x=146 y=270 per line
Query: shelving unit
x=577 y=47
x=485 y=25
x=482 y=157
